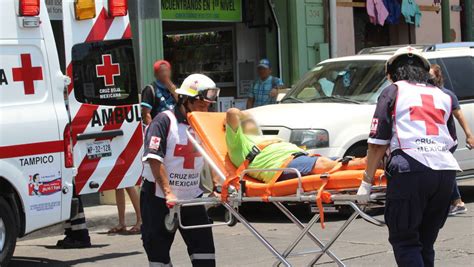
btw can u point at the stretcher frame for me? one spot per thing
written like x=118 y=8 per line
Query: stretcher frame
x=236 y=198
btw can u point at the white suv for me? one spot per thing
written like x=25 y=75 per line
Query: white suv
x=330 y=109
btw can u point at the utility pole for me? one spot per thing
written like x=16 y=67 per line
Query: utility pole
x=468 y=21
x=445 y=19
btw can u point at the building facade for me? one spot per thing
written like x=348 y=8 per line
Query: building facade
x=226 y=38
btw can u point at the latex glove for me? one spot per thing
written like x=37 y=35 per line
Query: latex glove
x=364 y=192
x=170 y=200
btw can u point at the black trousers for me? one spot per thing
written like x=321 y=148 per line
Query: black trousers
x=416 y=209
x=157 y=240
x=76 y=228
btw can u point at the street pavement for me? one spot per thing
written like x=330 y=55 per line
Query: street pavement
x=363 y=244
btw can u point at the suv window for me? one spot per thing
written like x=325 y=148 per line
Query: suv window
x=460 y=71
x=341 y=81
x=104 y=73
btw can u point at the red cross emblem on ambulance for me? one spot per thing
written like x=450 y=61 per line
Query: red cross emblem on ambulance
x=27 y=74
x=429 y=114
x=108 y=70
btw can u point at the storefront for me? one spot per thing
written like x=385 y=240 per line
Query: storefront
x=216 y=38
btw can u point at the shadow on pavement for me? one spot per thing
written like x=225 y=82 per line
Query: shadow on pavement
x=60 y=248
x=268 y=213
x=32 y=261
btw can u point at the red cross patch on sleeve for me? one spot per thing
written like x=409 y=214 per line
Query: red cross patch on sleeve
x=373 y=126
x=154 y=143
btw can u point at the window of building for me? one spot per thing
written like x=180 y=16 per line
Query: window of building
x=210 y=52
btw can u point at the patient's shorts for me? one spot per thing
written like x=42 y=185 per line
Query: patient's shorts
x=304 y=164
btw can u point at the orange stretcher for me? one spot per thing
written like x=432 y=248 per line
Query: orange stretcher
x=337 y=186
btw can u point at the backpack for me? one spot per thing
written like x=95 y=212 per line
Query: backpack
x=156 y=94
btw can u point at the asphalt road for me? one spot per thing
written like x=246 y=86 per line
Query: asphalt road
x=363 y=244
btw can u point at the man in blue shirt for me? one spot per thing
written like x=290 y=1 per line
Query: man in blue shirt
x=264 y=90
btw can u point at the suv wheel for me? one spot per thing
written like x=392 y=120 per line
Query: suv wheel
x=8 y=232
x=359 y=151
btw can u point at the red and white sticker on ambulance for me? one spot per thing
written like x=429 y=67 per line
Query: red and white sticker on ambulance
x=103 y=97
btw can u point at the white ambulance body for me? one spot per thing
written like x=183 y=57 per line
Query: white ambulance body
x=58 y=136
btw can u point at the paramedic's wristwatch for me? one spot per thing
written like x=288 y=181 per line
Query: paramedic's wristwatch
x=218 y=189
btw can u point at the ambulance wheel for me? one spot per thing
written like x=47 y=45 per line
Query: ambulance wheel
x=8 y=232
x=228 y=216
x=171 y=224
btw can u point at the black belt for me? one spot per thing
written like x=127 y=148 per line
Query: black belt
x=299 y=154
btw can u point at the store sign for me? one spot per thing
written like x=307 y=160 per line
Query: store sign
x=55 y=9
x=202 y=10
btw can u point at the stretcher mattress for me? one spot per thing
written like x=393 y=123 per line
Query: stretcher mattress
x=209 y=127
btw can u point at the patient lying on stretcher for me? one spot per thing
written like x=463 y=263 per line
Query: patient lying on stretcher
x=246 y=145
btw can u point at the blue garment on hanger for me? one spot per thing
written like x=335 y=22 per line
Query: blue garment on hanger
x=394 y=10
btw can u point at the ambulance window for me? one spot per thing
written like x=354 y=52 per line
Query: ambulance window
x=104 y=73
x=460 y=70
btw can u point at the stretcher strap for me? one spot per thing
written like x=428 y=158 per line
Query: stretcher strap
x=225 y=187
x=319 y=201
x=325 y=196
x=276 y=175
x=249 y=158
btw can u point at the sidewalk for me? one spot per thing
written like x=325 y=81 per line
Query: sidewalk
x=99 y=218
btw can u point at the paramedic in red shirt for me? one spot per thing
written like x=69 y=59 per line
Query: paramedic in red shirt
x=172 y=169
x=413 y=120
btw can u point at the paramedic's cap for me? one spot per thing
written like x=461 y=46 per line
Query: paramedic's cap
x=411 y=53
x=264 y=63
x=158 y=63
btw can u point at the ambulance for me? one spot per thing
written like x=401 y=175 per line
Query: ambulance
x=69 y=113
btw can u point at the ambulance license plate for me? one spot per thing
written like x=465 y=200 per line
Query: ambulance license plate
x=99 y=149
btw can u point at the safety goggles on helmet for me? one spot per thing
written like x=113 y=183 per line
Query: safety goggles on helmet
x=209 y=95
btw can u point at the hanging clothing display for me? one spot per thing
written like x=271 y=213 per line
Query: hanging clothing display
x=411 y=12
x=394 y=11
x=377 y=11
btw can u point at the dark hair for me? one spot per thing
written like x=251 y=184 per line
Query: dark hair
x=409 y=69
x=437 y=79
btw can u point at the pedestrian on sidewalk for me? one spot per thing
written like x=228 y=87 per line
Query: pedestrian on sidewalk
x=264 y=90
x=413 y=120
x=159 y=95
x=457 y=205
x=121 y=227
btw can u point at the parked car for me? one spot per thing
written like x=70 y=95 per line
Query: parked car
x=330 y=109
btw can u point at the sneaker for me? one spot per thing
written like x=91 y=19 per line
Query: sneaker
x=71 y=243
x=458 y=209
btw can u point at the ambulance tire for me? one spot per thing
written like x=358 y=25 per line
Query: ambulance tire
x=9 y=233
x=171 y=225
x=227 y=216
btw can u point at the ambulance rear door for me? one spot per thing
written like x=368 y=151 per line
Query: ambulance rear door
x=103 y=95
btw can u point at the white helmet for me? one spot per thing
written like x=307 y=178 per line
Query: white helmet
x=199 y=86
x=410 y=52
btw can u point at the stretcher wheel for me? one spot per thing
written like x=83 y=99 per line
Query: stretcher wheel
x=228 y=216
x=171 y=223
